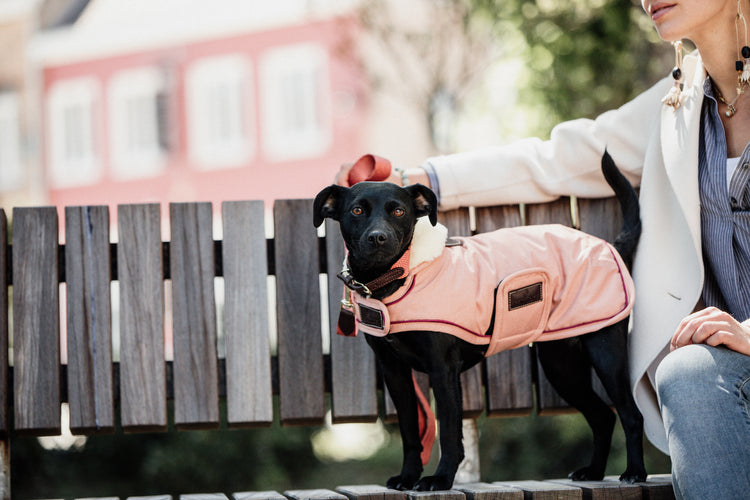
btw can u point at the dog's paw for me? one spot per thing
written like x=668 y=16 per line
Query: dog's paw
x=586 y=474
x=401 y=483
x=434 y=483
x=637 y=475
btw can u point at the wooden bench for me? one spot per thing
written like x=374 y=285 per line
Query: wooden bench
x=249 y=375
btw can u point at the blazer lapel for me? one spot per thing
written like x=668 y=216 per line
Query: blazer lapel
x=680 y=135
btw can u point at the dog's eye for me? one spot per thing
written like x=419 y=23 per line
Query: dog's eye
x=357 y=211
x=398 y=212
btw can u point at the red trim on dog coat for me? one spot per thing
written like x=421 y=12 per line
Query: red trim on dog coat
x=508 y=288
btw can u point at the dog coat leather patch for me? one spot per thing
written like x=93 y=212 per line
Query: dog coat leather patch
x=372 y=316
x=525 y=296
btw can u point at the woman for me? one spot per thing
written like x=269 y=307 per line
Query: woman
x=685 y=142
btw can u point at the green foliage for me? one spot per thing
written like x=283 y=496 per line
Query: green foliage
x=281 y=458
x=583 y=56
x=535 y=447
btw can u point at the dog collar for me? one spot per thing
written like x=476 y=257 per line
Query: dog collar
x=398 y=270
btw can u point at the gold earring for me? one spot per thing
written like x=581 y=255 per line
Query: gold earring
x=675 y=97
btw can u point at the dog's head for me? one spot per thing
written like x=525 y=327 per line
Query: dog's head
x=376 y=218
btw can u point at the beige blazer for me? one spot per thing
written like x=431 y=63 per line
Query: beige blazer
x=656 y=148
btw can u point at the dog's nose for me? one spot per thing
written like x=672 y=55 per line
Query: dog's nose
x=377 y=238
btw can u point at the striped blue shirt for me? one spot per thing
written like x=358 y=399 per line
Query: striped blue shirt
x=725 y=216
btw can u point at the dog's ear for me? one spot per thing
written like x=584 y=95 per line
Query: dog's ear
x=425 y=201
x=327 y=203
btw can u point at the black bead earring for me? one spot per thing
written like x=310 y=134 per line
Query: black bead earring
x=675 y=96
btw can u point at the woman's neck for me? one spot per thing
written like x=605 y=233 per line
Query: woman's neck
x=719 y=53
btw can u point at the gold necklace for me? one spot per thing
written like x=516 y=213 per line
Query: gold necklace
x=731 y=109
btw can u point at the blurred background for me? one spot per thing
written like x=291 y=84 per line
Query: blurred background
x=113 y=101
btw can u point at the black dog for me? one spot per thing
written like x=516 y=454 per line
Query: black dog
x=377 y=222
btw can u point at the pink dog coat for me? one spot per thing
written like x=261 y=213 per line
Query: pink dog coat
x=508 y=288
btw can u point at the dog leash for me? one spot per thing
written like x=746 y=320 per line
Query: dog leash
x=375 y=168
x=369 y=168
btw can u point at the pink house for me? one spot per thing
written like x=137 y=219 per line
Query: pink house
x=161 y=101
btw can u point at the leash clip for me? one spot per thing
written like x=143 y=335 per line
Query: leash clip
x=353 y=284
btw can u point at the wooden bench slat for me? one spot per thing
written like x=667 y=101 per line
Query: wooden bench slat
x=600 y=217
x=140 y=272
x=354 y=396
x=459 y=224
x=370 y=492
x=556 y=212
x=318 y=494
x=656 y=487
x=196 y=377
x=486 y=491
x=436 y=495
x=509 y=386
x=545 y=490
x=301 y=382
x=36 y=323
x=4 y=400
x=204 y=496
x=248 y=351
x=609 y=489
x=258 y=495
x=89 y=319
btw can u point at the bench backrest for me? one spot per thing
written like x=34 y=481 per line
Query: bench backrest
x=254 y=368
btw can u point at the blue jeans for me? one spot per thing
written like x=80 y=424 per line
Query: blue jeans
x=704 y=394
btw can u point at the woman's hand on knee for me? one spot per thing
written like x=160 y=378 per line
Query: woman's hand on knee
x=712 y=326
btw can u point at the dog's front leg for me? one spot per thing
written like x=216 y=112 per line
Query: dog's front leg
x=446 y=387
x=401 y=388
x=398 y=379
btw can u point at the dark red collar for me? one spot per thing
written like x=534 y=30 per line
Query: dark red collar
x=398 y=270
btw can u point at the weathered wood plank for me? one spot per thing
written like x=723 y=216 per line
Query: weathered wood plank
x=320 y=494
x=196 y=373
x=4 y=400
x=544 y=490
x=436 y=495
x=258 y=495
x=600 y=217
x=248 y=358
x=89 y=319
x=509 y=385
x=301 y=383
x=556 y=212
x=458 y=224
x=609 y=489
x=204 y=496
x=354 y=396
x=370 y=492
x=658 y=487
x=486 y=491
x=36 y=323
x=140 y=270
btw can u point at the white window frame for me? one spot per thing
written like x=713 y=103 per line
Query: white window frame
x=296 y=102
x=72 y=117
x=135 y=149
x=11 y=155
x=220 y=112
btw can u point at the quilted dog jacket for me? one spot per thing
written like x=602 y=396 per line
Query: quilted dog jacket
x=508 y=288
